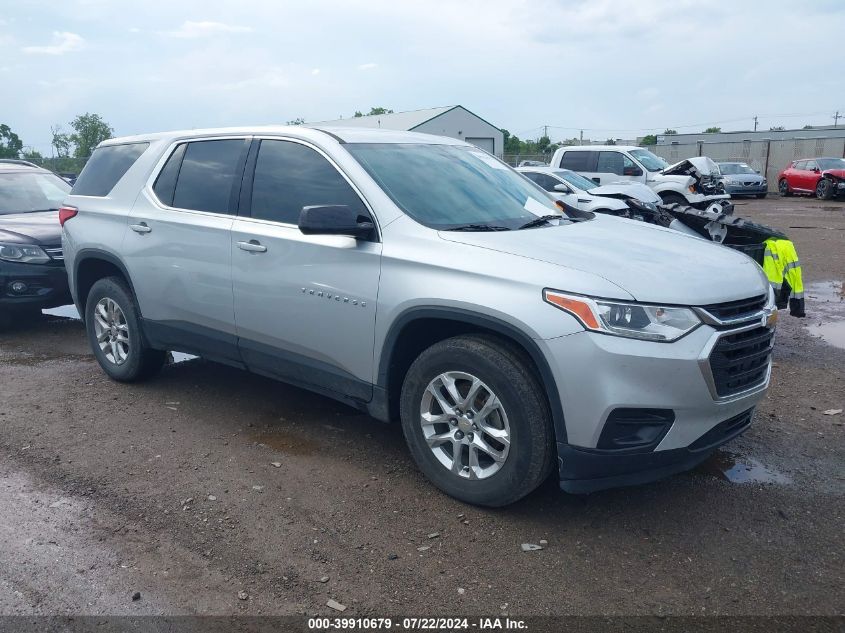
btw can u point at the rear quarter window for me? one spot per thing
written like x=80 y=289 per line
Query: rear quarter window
x=578 y=160
x=106 y=167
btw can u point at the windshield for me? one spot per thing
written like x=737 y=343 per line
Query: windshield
x=453 y=187
x=648 y=160
x=25 y=192
x=576 y=180
x=831 y=163
x=733 y=169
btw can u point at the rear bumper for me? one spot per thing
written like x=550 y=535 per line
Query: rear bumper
x=584 y=470
x=46 y=286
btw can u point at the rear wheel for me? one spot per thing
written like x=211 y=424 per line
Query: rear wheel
x=114 y=331
x=477 y=421
x=671 y=197
x=783 y=188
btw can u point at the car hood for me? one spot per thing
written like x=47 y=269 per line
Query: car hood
x=837 y=173
x=635 y=190
x=650 y=263
x=697 y=167
x=31 y=228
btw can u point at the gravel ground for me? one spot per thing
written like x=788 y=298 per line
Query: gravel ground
x=212 y=491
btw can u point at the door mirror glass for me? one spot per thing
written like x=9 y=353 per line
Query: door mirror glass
x=334 y=219
x=562 y=188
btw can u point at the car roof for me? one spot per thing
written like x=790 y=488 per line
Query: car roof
x=8 y=166
x=543 y=170
x=316 y=133
x=592 y=148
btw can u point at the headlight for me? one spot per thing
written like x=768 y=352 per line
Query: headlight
x=631 y=320
x=23 y=254
x=639 y=204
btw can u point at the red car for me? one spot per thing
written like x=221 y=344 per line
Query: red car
x=824 y=177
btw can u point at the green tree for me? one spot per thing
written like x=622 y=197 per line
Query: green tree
x=30 y=153
x=358 y=114
x=10 y=144
x=543 y=144
x=379 y=111
x=60 y=141
x=610 y=141
x=807 y=127
x=713 y=130
x=297 y=121
x=89 y=130
x=649 y=139
x=668 y=131
x=777 y=128
x=512 y=144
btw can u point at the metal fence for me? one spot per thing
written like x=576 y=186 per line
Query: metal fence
x=60 y=165
x=767 y=157
x=515 y=159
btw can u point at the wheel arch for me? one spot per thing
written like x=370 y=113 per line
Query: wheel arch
x=92 y=264
x=419 y=327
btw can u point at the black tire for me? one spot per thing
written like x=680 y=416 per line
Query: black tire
x=506 y=370
x=141 y=361
x=783 y=188
x=823 y=189
x=672 y=197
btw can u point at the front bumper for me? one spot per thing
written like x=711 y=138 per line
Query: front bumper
x=46 y=285
x=743 y=190
x=597 y=374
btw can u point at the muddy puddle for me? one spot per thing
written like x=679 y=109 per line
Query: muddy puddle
x=740 y=469
x=826 y=312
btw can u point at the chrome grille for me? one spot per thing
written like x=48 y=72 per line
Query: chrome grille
x=55 y=253
x=733 y=310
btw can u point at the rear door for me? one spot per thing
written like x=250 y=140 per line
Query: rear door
x=178 y=248
x=305 y=305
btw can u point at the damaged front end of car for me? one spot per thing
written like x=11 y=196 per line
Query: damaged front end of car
x=706 y=175
x=831 y=185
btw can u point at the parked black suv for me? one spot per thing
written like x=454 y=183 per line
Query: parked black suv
x=32 y=271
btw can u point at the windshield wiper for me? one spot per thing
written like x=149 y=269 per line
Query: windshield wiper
x=543 y=219
x=478 y=227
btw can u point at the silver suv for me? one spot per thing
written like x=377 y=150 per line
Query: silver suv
x=420 y=279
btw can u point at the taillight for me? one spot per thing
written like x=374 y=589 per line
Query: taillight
x=66 y=213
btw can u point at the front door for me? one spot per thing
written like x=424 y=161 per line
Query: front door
x=305 y=305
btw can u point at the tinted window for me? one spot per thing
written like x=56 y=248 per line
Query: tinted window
x=577 y=160
x=106 y=167
x=610 y=163
x=165 y=185
x=544 y=180
x=289 y=176
x=801 y=164
x=207 y=175
x=26 y=191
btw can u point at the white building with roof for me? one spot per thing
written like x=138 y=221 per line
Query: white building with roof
x=452 y=121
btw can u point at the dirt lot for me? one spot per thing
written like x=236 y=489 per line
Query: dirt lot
x=208 y=481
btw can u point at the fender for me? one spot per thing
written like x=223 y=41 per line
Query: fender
x=481 y=320
x=96 y=253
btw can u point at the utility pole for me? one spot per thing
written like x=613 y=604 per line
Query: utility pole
x=546 y=131
x=836 y=118
x=755 y=123
x=581 y=142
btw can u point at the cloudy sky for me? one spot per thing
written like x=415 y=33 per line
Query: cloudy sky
x=611 y=68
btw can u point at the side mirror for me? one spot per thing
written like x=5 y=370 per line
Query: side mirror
x=334 y=219
x=816 y=170
x=562 y=188
x=757 y=171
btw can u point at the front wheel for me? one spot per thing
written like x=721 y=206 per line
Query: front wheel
x=477 y=421
x=114 y=331
x=783 y=188
x=823 y=189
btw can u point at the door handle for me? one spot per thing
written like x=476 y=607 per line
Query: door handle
x=253 y=246
x=141 y=227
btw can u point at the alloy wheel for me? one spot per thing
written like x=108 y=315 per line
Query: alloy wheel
x=112 y=331
x=465 y=425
